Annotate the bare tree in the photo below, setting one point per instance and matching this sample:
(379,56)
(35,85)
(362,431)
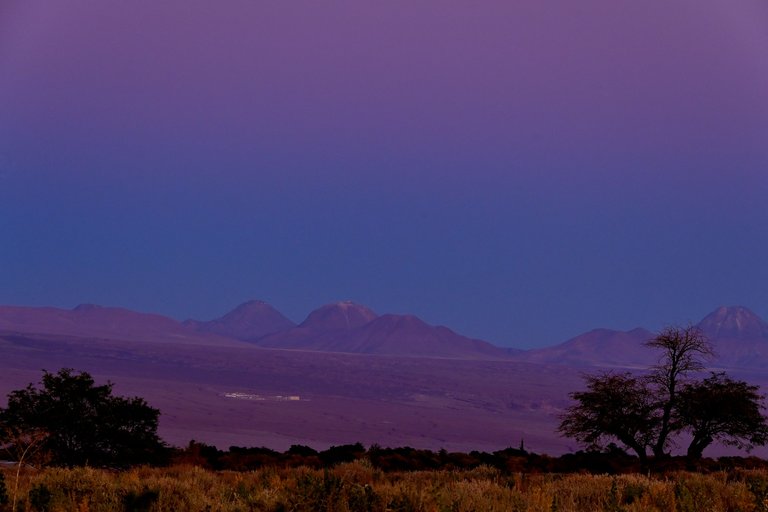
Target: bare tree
(684,350)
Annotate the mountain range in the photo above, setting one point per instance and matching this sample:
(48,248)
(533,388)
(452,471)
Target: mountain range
(740,337)
(99,322)
(350,327)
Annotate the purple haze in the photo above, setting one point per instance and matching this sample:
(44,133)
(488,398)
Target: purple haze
(520,171)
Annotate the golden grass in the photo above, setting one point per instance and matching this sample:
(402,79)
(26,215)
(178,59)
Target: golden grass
(358,486)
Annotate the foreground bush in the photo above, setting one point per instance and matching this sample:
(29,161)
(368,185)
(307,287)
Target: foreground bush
(358,486)
(68,420)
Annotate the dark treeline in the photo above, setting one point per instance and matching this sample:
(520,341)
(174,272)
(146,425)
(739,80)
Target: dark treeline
(511,460)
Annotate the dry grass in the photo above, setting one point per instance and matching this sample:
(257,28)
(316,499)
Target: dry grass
(357,486)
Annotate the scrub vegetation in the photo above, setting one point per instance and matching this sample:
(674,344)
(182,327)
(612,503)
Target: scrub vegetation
(359,486)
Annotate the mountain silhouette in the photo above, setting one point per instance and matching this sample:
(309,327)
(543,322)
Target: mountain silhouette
(93,321)
(734,323)
(252,319)
(602,347)
(738,335)
(739,338)
(340,316)
(352,328)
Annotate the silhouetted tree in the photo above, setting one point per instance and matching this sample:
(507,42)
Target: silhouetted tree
(616,406)
(646,411)
(682,352)
(76,422)
(724,409)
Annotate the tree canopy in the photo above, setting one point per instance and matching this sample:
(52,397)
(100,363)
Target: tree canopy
(615,406)
(723,409)
(75,422)
(645,411)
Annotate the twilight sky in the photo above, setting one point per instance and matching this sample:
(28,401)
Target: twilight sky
(519,171)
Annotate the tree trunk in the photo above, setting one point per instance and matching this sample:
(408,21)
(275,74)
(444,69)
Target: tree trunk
(666,418)
(641,453)
(697,446)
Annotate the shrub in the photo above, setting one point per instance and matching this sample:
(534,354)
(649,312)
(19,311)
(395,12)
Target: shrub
(3,491)
(40,498)
(357,486)
(140,501)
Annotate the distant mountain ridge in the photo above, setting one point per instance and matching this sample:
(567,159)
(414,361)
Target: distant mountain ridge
(249,320)
(352,328)
(339,327)
(93,321)
(597,347)
(340,316)
(734,322)
(738,335)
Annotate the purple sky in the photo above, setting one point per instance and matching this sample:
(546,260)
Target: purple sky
(519,171)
